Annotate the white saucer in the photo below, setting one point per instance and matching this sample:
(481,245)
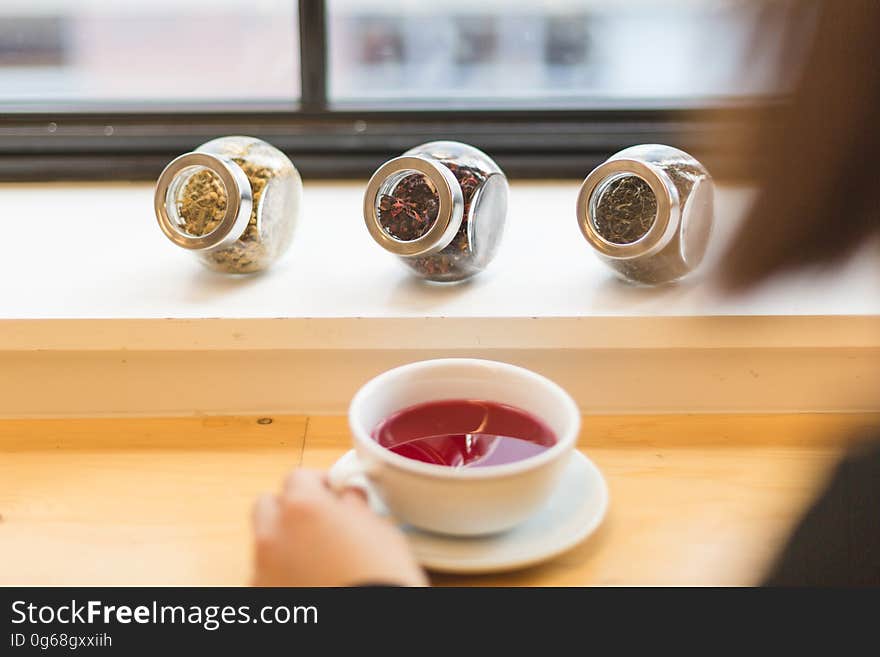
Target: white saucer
(573,512)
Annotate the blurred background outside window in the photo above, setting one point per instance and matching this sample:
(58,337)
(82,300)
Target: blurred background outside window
(571,53)
(534,81)
(492,52)
(92,52)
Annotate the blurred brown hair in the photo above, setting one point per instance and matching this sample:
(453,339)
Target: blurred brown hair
(817,158)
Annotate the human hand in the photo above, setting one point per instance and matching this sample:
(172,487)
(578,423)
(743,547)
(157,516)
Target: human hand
(307,535)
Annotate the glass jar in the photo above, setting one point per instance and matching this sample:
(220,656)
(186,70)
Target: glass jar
(647,212)
(440,207)
(234,201)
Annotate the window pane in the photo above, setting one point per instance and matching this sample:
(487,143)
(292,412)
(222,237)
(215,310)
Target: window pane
(148,51)
(580,50)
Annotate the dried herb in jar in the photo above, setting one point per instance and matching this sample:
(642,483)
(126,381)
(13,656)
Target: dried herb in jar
(684,177)
(233,201)
(247,254)
(618,208)
(412,210)
(458,256)
(440,207)
(202,205)
(625,210)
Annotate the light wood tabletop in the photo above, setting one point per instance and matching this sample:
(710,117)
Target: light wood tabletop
(695,499)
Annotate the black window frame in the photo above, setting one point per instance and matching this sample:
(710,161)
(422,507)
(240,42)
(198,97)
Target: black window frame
(349,142)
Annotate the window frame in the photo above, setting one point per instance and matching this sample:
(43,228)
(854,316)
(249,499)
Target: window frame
(345,141)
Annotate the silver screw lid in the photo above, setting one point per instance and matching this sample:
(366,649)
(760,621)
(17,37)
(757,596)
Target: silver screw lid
(239,201)
(665,222)
(449,215)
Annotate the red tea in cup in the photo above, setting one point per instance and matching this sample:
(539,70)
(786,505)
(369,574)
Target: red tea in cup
(464,433)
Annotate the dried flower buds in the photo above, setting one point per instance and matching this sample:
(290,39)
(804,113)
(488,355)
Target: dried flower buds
(441,207)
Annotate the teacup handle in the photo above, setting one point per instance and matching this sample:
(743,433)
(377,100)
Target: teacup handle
(349,474)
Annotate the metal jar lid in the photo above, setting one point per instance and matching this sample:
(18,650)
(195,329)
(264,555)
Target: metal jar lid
(665,223)
(239,201)
(449,215)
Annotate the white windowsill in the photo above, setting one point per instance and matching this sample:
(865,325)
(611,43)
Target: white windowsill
(87,270)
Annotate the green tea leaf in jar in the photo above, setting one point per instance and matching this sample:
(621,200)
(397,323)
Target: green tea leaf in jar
(202,203)
(625,209)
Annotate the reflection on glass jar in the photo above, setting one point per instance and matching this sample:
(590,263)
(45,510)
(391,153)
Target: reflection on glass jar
(647,212)
(440,207)
(234,201)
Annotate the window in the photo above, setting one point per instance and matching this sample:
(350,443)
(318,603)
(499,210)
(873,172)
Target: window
(141,53)
(508,53)
(99,88)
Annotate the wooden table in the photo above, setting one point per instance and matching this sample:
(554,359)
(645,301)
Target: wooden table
(699,499)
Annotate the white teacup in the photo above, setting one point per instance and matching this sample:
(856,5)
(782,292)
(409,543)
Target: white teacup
(460,501)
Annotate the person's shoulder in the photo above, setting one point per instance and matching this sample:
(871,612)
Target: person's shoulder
(837,542)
